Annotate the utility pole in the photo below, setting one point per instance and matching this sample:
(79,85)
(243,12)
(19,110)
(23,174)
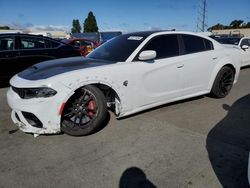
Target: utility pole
(202,16)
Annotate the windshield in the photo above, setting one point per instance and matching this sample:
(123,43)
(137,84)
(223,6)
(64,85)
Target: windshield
(65,40)
(119,48)
(234,41)
(109,35)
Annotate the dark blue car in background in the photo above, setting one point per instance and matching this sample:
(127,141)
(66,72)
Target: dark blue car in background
(19,51)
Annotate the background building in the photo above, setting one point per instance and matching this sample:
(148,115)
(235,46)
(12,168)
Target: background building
(52,34)
(10,31)
(239,32)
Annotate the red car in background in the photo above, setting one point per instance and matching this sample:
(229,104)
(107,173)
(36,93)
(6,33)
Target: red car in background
(85,45)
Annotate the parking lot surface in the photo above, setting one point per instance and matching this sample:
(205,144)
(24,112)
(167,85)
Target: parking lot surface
(202,142)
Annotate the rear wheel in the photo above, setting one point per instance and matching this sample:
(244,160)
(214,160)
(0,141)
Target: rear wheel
(223,82)
(85,112)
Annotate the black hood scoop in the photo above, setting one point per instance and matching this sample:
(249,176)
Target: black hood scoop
(51,68)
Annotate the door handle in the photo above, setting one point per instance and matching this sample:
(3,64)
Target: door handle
(214,58)
(180,66)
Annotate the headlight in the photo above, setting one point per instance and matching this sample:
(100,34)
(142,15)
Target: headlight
(29,93)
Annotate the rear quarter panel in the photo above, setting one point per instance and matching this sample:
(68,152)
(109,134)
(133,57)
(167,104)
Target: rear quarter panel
(227,56)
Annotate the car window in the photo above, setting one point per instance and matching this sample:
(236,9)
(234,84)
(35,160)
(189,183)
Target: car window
(195,44)
(51,44)
(32,43)
(208,44)
(86,43)
(245,42)
(165,46)
(119,48)
(6,43)
(75,43)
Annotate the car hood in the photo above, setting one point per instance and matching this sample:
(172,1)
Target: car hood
(51,68)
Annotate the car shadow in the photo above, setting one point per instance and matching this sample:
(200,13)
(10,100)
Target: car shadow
(228,145)
(134,177)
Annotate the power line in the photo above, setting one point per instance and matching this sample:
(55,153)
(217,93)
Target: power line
(202,16)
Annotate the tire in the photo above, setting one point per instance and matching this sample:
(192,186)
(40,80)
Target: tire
(84,112)
(223,83)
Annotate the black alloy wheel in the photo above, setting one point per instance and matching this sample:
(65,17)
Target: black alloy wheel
(226,82)
(84,112)
(223,82)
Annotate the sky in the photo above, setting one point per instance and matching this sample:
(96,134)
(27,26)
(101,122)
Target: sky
(114,15)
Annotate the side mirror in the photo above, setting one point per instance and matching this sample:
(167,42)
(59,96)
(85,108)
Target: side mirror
(245,47)
(147,55)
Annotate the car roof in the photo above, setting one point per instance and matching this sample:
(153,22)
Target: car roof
(27,35)
(142,33)
(162,32)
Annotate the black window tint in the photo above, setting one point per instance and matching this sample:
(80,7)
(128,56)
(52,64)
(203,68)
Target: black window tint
(6,43)
(208,44)
(193,44)
(75,43)
(32,43)
(51,44)
(245,42)
(86,43)
(117,49)
(165,46)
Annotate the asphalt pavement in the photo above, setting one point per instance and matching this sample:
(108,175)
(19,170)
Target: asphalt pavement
(201,142)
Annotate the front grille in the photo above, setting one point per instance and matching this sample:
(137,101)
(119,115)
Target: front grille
(19,91)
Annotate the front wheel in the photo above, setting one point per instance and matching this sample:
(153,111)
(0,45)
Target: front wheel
(85,112)
(223,82)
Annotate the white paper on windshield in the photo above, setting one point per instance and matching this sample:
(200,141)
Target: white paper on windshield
(135,38)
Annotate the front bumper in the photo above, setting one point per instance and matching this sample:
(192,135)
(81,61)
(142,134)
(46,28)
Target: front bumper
(38,115)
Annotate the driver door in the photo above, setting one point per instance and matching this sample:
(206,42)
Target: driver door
(158,80)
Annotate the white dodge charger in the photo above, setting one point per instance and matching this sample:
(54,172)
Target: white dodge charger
(130,73)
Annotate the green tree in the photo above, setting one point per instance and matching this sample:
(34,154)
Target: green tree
(236,24)
(247,25)
(90,24)
(76,27)
(5,27)
(216,27)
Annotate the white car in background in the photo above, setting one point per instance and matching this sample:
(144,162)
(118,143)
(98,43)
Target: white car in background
(128,74)
(241,42)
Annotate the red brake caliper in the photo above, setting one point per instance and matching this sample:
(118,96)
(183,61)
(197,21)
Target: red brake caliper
(91,108)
